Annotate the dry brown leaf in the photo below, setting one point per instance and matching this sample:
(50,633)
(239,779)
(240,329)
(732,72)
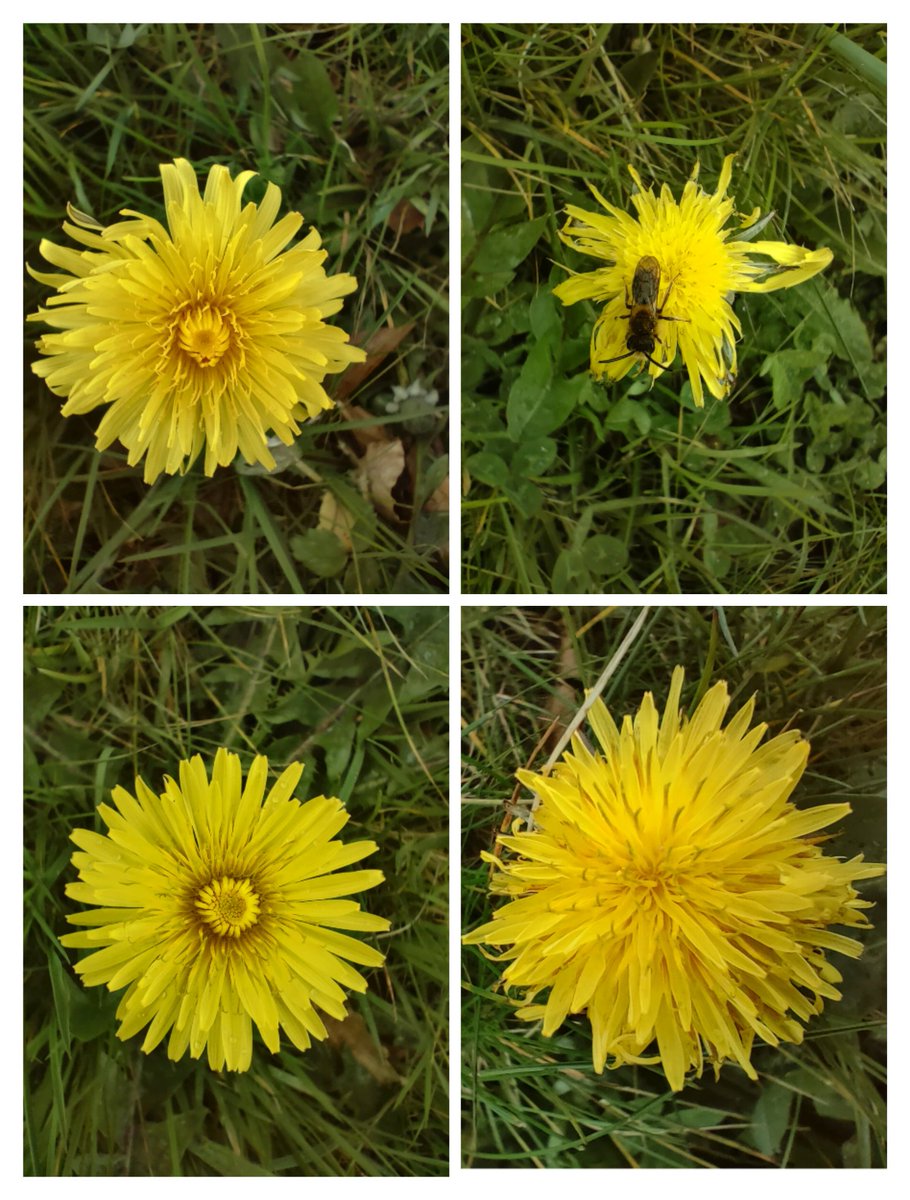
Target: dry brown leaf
(404,218)
(378,472)
(336,519)
(353,1033)
(562,704)
(365,435)
(380,345)
(439,501)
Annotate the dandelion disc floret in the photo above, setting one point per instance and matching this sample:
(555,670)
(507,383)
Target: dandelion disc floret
(702,262)
(210,333)
(220,909)
(670,890)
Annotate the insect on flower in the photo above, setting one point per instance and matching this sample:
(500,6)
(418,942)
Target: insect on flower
(645,311)
(708,259)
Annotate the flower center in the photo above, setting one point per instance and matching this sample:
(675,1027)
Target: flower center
(228,906)
(662,869)
(204,334)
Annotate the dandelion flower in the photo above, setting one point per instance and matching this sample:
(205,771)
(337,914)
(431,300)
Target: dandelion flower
(220,910)
(672,892)
(210,333)
(700,263)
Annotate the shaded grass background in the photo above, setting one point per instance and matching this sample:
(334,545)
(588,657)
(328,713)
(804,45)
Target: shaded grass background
(351,122)
(361,697)
(530,1100)
(780,487)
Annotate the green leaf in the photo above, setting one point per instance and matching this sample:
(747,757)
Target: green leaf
(606,556)
(628,413)
(130,35)
(870,475)
(533,457)
(224,1161)
(827,1101)
(544,315)
(320,551)
(434,474)
(770,1118)
(93,88)
(430,650)
(488,468)
(312,93)
(526,496)
(789,370)
(62,989)
(528,393)
(698,1117)
(92,1011)
(102,34)
(337,742)
(374,706)
(488,283)
(852,342)
(587,566)
(504,249)
(538,405)
(478,198)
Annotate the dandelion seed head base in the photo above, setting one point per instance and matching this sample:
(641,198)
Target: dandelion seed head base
(228,906)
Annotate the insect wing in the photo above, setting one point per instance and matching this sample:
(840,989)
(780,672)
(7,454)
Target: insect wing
(646,282)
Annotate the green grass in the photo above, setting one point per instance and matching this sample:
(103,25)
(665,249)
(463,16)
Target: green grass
(361,698)
(778,489)
(351,123)
(534,1101)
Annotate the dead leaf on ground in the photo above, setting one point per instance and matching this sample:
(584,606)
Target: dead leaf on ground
(405,217)
(336,519)
(439,501)
(353,1034)
(365,435)
(378,472)
(562,703)
(380,345)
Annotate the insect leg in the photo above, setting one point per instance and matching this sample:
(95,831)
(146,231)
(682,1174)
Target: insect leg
(661,307)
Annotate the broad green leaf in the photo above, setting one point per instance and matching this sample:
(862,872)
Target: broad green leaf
(504,249)
(313,94)
(488,468)
(533,457)
(537,403)
(770,1118)
(320,551)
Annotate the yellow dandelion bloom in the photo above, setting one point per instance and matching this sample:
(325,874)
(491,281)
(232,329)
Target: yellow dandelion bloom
(672,892)
(220,910)
(210,333)
(680,299)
